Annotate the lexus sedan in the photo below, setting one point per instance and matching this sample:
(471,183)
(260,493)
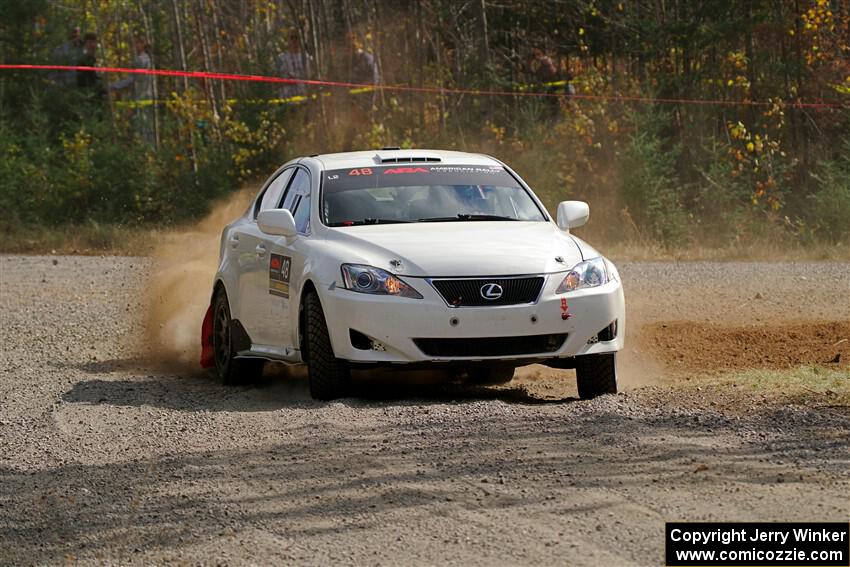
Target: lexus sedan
(410,258)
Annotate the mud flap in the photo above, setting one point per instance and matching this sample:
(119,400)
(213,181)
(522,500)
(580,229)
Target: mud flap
(207,352)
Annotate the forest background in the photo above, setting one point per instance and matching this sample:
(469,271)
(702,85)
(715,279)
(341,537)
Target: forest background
(739,137)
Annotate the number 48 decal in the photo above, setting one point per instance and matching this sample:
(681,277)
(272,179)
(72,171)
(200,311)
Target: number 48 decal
(361,171)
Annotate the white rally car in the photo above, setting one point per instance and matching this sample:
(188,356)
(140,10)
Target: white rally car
(410,257)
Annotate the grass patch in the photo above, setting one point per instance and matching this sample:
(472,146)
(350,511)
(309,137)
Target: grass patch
(89,239)
(804,383)
(767,251)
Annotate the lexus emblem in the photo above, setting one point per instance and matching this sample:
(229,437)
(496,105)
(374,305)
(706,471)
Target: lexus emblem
(491,291)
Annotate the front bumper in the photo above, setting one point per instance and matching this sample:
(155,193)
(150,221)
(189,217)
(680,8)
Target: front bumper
(392,323)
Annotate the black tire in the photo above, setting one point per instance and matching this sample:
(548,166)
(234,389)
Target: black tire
(231,371)
(330,377)
(490,374)
(596,375)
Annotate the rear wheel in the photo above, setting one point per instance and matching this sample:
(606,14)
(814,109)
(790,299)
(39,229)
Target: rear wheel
(596,375)
(330,377)
(491,374)
(231,370)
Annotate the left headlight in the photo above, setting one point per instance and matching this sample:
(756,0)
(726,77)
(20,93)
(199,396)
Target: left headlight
(368,279)
(591,273)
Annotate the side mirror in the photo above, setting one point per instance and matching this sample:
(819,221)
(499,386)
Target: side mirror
(278,222)
(572,214)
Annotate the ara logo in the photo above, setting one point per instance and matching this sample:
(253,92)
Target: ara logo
(396,170)
(491,291)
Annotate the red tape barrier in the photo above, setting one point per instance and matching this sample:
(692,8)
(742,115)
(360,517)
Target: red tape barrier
(820,105)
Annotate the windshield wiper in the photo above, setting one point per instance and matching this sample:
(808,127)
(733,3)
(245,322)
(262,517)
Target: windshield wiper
(467,217)
(383,221)
(369,220)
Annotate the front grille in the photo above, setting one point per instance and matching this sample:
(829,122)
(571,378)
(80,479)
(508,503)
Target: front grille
(492,346)
(467,293)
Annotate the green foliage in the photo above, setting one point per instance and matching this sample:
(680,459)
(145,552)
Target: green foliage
(725,173)
(21,24)
(650,186)
(830,203)
(84,169)
(722,207)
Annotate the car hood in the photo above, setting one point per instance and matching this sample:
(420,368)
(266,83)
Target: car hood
(440,249)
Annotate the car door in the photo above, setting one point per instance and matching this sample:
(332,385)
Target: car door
(286,262)
(254,261)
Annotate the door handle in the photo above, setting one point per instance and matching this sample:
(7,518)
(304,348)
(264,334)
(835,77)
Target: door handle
(261,250)
(234,241)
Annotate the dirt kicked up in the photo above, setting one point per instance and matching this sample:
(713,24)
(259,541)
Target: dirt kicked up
(114,452)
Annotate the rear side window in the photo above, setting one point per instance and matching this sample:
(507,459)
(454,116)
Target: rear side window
(297,200)
(302,214)
(271,197)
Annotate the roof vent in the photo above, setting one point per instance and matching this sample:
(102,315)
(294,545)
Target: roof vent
(408,159)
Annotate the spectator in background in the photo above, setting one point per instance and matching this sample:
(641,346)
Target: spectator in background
(141,87)
(569,87)
(364,71)
(293,64)
(364,68)
(543,70)
(89,81)
(69,53)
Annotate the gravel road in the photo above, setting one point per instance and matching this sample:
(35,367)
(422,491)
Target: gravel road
(108,456)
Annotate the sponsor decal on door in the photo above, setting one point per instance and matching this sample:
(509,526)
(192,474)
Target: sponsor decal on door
(279,267)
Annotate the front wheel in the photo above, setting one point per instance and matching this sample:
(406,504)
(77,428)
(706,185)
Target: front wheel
(596,375)
(329,376)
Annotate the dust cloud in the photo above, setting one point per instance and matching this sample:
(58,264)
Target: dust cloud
(636,364)
(179,288)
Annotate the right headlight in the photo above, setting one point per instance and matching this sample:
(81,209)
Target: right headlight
(590,273)
(368,279)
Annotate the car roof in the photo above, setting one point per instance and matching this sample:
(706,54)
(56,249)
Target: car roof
(397,156)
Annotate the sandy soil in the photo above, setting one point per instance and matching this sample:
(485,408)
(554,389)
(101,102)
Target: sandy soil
(111,456)
(710,346)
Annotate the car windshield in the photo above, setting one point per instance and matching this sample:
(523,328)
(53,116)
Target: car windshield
(424,193)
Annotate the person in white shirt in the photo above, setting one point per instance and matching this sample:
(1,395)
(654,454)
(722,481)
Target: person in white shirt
(293,64)
(361,106)
(69,53)
(142,90)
